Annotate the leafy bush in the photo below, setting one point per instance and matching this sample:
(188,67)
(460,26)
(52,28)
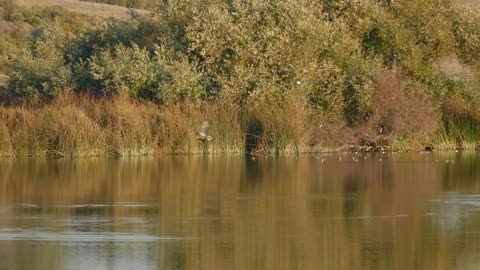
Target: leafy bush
(467,36)
(133,72)
(262,52)
(17,25)
(126,70)
(41,71)
(331,56)
(401,108)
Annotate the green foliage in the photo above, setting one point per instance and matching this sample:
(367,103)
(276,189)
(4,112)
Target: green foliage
(467,36)
(257,53)
(260,53)
(41,71)
(125,70)
(17,25)
(132,71)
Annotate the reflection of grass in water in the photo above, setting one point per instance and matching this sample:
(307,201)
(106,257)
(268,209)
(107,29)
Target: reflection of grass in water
(236,220)
(464,173)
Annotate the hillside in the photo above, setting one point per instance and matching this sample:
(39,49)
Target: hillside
(88,8)
(18,23)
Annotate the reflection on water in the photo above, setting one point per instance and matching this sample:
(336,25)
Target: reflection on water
(397,211)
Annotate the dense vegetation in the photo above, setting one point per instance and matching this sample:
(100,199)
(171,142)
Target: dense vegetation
(19,26)
(289,73)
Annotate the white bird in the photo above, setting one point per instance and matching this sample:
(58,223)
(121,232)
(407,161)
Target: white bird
(202,135)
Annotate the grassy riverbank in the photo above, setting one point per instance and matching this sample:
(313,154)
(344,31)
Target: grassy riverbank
(79,126)
(73,126)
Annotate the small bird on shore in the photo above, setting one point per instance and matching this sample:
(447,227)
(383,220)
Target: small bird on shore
(202,135)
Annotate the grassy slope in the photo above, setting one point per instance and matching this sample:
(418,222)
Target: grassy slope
(88,8)
(81,7)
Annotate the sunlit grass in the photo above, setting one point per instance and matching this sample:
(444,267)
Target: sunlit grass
(77,126)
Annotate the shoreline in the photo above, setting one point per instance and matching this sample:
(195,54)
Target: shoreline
(316,151)
(73,126)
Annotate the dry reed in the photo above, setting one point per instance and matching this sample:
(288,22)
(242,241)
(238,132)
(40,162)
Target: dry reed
(461,125)
(73,126)
(80,125)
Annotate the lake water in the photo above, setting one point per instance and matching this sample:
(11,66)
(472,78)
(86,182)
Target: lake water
(374,211)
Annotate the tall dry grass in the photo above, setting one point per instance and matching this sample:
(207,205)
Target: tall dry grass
(278,128)
(73,126)
(461,125)
(80,125)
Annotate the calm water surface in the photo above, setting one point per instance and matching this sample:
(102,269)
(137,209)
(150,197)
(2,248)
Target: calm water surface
(405,211)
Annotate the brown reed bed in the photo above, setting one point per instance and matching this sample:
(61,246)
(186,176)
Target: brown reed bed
(75,126)
(80,125)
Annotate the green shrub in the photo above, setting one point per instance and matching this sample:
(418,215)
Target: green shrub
(18,25)
(41,70)
(126,70)
(131,70)
(467,36)
(328,56)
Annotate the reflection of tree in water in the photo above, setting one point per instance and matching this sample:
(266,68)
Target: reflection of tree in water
(350,187)
(253,169)
(175,258)
(387,173)
(298,213)
(252,175)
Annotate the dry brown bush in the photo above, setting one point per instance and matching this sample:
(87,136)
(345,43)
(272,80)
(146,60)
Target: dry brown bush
(400,109)
(332,135)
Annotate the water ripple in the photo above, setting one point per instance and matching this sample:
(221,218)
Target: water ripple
(10,234)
